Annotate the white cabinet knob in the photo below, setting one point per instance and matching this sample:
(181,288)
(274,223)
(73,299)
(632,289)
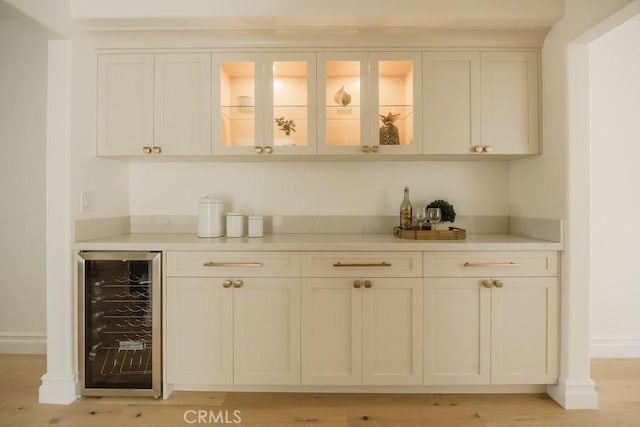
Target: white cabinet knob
(237,283)
(268,149)
(227,283)
(498,283)
(477,148)
(259,150)
(366,148)
(486,283)
(487,149)
(146,150)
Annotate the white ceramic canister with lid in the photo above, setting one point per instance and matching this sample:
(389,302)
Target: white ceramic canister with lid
(256,228)
(235,224)
(210,217)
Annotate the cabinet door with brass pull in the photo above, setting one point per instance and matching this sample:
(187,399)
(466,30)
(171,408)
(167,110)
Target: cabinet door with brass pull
(199,330)
(491,331)
(352,328)
(266,323)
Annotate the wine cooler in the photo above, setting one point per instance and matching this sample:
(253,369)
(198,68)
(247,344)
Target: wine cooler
(119,323)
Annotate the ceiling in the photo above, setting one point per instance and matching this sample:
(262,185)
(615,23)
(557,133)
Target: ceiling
(290,15)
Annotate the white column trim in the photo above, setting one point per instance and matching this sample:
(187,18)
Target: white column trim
(575,389)
(59,383)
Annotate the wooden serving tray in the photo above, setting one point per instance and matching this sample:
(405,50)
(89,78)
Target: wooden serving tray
(453,233)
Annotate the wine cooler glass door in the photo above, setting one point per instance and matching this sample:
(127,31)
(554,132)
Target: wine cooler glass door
(119,331)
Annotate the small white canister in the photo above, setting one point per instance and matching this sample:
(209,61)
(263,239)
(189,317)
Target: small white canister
(210,217)
(256,228)
(235,224)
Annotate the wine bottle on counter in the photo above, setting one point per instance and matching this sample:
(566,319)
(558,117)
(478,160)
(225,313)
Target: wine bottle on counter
(406,211)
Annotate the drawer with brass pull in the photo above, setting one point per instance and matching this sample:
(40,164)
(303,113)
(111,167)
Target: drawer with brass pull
(361,264)
(232,264)
(488,264)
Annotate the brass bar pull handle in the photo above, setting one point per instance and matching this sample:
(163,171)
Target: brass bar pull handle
(232,264)
(380,264)
(491,264)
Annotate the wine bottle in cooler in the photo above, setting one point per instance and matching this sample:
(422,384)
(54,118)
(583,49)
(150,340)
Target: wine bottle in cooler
(406,211)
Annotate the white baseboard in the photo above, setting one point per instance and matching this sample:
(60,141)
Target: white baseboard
(58,389)
(574,394)
(614,348)
(23,343)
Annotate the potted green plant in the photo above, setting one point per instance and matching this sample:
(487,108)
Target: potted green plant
(446,208)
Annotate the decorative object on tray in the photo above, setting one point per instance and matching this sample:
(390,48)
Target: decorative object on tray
(421,217)
(453,233)
(388,134)
(434,215)
(342,97)
(286,126)
(406,211)
(446,208)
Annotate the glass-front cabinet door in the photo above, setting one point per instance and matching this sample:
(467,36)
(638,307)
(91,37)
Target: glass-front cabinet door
(343,79)
(263,103)
(369,103)
(290,103)
(236,119)
(396,90)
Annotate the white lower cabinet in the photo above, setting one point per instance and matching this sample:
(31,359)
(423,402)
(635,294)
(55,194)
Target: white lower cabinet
(266,325)
(457,332)
(361,331)
(246,333)
(199,331)
(491,330)
(232,327)
(361,318)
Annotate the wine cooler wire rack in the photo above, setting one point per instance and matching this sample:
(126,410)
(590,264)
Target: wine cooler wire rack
(128,351)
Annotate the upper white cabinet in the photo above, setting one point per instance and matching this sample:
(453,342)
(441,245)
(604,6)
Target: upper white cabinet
(151,104)
(481,103)
(509,82)
(264,103)
(183,104)
(451,102)
(369,103)
(125,104)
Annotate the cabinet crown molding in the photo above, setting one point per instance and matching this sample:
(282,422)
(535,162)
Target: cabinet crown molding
(330,38)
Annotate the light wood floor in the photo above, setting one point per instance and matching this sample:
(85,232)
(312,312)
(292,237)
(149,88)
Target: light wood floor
(618,385)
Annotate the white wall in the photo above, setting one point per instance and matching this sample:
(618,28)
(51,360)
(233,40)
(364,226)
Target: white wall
(537,186)
(318,188)
(552,185)
(23,85)
(614,89)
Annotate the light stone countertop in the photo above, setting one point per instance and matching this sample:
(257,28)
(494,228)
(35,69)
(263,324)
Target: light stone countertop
(314,242)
